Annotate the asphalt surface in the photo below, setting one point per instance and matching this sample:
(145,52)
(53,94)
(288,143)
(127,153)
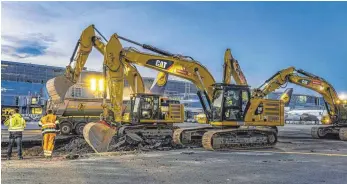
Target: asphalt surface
(296,159)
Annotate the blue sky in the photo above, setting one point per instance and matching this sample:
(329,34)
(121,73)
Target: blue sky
(264,36)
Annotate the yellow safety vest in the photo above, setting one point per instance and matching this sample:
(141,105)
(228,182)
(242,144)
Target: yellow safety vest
(15,123)
(48,123)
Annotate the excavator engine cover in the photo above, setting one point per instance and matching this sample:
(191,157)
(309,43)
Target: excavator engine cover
(98,135)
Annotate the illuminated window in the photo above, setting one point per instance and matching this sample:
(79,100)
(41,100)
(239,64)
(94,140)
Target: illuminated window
(36,110)
(33,100)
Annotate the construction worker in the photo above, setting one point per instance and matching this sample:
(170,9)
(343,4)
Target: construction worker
(48,126)
(16,125)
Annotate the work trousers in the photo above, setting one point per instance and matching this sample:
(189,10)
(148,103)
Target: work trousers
(48,143)
(15,137)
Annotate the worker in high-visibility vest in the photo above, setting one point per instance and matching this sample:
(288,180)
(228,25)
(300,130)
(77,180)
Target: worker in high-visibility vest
(16,125)
(48,124)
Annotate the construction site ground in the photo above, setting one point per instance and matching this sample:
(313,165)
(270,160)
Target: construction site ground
(297,158)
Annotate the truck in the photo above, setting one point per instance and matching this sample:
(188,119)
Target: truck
(74,113)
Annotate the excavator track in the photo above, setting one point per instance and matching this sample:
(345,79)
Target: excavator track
(147,131)
(322,132)
(241,138)
(189,136)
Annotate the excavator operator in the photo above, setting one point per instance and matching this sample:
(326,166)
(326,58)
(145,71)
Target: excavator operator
(231,101)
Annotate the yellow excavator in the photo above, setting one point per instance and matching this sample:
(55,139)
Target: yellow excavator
(232,69)
(57,87)
(336,108)
(144,108)
(227,106)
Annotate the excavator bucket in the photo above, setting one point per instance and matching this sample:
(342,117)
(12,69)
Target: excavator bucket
(98,136)
(57,88)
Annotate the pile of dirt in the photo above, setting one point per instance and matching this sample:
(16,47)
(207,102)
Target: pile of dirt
(76,146)
(131,142)
(128,142)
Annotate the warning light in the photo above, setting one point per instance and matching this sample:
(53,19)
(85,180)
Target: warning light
(93,84)
(101,84)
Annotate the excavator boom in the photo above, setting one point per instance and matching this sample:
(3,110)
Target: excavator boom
(336,108)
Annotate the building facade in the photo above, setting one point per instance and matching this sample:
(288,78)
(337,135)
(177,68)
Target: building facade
(23,88)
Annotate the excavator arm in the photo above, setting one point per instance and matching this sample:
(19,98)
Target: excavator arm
(337,109)
(232,68)
(176,65)
(57,87)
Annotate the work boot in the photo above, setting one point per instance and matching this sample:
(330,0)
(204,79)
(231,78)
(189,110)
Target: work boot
(20,158)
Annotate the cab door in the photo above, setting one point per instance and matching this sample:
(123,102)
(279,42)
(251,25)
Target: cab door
(235,103)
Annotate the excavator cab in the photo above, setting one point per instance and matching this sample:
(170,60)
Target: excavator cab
(229,102)
(144,106)
(149,108)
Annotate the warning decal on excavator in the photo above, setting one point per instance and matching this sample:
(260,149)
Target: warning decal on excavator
(164,64)
(81,106)
(317,82)
(183,71)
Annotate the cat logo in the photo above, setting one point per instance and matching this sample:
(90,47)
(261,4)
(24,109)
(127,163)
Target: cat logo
(161,64)
(164,64)
(304,81)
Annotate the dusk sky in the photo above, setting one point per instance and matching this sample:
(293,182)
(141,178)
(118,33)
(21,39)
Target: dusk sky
(265,37)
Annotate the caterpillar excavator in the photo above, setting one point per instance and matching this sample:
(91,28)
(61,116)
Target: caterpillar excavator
(227,106)
(336,117)
(145,107)
(232,69)
(57,87)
